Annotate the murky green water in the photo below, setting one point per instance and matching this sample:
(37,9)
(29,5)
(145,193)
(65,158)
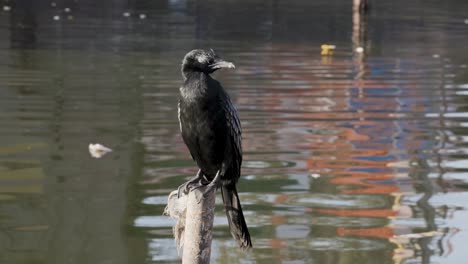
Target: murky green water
(345,154)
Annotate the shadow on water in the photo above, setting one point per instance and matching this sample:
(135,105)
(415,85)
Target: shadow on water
(349,157)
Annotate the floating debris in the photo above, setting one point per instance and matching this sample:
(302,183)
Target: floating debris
(417,235)
(97,150)
(126,14)
(70,17)
(466,21)
(53,4)
(142,16)
(359,49)
(327,49)
(436,56)
(315,175)
(56,18)
(67,10)
(6,8)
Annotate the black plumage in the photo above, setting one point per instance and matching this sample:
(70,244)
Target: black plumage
(211,129)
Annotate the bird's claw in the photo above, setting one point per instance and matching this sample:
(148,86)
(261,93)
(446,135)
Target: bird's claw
(191,185)
(197,182)
(208,189)
(179,190)
(186,188)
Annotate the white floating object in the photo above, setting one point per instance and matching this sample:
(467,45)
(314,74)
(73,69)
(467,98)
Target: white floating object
(142,16)
(56,18)
(67,10)
(126,14)
(359,49)
(315,175)
(466,21)
(435,56)
(418,235)
(53,4)
(6,8)
(97,150)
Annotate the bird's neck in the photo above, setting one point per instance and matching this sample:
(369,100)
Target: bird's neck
(195,85)
(190,74)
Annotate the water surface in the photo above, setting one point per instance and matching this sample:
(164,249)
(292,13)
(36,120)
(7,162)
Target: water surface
(344,154)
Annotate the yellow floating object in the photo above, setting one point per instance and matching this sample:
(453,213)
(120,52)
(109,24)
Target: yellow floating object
(327,49)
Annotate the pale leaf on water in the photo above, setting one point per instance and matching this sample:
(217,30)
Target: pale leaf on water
(97,150)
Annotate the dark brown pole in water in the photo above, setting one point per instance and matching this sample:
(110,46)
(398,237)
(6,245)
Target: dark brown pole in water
(359,38)
(360,6)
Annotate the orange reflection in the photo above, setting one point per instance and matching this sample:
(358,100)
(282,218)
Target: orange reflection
(349,127)
(358,212)
(377,232)
(361,180)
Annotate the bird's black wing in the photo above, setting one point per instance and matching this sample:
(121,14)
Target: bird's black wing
(232,205)
(234,137)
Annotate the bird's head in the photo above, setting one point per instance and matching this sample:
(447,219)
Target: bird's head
(203,61)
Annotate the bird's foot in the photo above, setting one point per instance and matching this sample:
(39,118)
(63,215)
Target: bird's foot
(200,181)
(209,188)
(192,184)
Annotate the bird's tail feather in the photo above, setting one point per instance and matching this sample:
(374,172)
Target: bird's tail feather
(237,224)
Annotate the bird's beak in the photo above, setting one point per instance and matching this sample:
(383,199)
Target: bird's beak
(222,64)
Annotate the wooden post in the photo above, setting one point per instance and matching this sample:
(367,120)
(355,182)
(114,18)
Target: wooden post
(194,228)
(199,227)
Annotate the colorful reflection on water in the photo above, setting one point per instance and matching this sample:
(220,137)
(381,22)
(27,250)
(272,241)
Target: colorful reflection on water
(350,157)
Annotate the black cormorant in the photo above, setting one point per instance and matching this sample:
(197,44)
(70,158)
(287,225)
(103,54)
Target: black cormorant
(211,130)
